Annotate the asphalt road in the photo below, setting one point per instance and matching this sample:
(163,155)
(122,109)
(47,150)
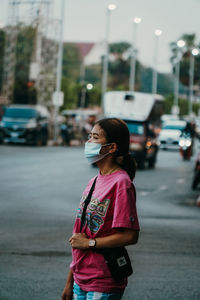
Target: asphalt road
(40,190)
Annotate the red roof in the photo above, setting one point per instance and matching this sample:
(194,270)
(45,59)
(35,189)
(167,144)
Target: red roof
(84,48)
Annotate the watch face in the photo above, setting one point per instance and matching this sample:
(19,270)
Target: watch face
(92,243)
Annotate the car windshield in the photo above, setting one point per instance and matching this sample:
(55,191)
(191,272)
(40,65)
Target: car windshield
(174,127)
(23,113)
(135,128)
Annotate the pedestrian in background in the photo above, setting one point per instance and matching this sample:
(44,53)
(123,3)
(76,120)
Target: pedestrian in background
(111,218)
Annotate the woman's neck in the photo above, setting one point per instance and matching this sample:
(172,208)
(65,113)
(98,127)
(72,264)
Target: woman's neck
(107,167)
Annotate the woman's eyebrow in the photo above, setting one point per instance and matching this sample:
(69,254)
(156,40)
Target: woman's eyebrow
(94,133)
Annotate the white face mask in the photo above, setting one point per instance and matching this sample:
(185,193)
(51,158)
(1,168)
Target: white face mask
(92,152)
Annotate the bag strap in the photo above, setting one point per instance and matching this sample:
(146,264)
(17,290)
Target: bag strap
(86,202)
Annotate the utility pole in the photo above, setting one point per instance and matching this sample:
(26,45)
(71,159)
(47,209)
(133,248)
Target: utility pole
(58,94)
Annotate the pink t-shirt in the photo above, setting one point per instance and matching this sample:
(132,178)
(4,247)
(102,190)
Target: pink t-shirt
(112,206)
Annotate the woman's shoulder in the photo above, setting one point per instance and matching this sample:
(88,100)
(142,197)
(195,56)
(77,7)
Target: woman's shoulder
(123,180)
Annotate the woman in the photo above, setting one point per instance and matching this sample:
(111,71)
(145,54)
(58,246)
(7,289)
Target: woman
(111,217)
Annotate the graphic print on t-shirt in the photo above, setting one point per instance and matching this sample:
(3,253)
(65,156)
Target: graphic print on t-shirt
(95,213)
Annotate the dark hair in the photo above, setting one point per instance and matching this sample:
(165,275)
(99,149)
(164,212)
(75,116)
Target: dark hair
(116,131)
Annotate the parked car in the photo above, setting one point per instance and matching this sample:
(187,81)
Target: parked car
(168,117)
(170,134)
(25,124)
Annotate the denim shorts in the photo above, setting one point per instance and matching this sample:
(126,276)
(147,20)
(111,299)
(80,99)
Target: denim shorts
(79,294)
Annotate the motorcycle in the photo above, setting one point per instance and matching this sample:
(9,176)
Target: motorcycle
(185,146)
(196,177)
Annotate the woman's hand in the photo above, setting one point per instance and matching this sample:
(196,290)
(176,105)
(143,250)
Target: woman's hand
(67,292)
(79,241)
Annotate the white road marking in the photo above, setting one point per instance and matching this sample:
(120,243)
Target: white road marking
(163,188)
(180,180)
(144,194)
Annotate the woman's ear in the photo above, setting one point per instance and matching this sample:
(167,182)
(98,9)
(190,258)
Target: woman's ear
(113,148)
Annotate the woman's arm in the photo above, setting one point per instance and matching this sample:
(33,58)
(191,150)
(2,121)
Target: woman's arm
(68,289)
(123,237)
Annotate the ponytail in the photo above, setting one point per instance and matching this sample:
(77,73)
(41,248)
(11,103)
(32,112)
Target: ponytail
(128,164)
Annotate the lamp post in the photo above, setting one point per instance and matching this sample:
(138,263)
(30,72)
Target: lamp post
(136,21)
(110,8)
(193,53)
(180,44)
(157,34)
(86,87)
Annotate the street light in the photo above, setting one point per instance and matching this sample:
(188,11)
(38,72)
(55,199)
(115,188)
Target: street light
(193,53)
(157,34)
(86,87)
(180,44)
(89,86)
(136,21)
(110,8)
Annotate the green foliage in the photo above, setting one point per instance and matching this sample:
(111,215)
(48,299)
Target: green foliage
(71,62)
(119,74)
(183,105)
(168,103)
(93,74)
(164,82)
(119,48)
(24,51)
(94,96)
(190,41)
(71,91)
(196,108)
(2,43)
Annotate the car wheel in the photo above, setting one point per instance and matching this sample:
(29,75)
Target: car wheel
(152,162)
(44,139)
(140,164)
(38,141)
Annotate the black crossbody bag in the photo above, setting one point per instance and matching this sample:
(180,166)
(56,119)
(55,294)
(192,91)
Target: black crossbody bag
(117,259)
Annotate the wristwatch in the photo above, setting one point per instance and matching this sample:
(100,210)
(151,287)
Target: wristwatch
(92,243)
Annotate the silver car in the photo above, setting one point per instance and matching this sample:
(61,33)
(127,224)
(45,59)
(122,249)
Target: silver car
(170,134)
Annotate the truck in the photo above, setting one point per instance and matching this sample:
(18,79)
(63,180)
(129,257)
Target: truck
(142,114)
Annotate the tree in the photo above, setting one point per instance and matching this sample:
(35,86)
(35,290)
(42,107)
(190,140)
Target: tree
(23,92)
(2,44)
(183,105)
(190,42)
(119,48)
(71,62)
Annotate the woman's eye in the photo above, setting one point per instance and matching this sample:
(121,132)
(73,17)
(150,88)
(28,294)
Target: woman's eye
(90,136)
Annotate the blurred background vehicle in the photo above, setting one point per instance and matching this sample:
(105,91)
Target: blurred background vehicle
(143,143)
(196,176)
(169,136)
(80,122)
(168,117)
(185,145)
(25,124)
(141,112)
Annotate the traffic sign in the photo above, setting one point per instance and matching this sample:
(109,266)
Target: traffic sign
(58,98)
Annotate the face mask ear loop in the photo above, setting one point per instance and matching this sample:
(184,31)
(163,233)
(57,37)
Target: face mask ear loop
(108,145)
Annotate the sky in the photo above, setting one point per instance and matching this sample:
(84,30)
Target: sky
(85,21)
